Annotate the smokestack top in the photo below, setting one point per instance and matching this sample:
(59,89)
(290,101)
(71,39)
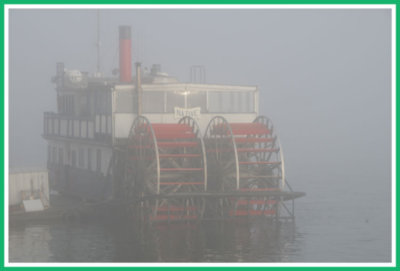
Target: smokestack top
(125,61)
(124,32)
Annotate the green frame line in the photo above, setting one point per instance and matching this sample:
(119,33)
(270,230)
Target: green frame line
(196,2)
(2,139)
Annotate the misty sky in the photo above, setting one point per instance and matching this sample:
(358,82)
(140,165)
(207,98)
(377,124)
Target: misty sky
(324,75)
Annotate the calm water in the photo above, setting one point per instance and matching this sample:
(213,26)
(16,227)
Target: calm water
(90,242)
(334,223)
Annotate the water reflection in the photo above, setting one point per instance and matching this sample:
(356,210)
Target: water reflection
(30,244)
(212,241)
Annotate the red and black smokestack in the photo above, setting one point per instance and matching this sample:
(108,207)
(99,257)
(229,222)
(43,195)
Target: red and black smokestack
(125,62)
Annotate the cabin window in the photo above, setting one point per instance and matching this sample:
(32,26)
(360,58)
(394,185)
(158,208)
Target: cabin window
(89,159)
(73,158)
(71,105)
(197,99)
(240,102)
(103,102)
(81,160)
(66,104)
(98,160)
(175,100)
(84,108)
(60,156)
(54,155)
(153,102)
(231,102)
(219,102)
(250,102)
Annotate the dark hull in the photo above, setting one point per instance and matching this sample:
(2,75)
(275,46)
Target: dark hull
(80,183)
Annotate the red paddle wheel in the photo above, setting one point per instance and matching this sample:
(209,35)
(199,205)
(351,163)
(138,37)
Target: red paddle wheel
(244,157)
(166,159)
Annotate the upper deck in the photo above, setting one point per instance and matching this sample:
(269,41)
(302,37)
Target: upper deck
(95,107)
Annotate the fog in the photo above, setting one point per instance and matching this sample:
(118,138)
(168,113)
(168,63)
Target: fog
(323,75)
(324,78)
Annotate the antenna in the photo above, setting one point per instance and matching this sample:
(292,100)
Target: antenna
(98,42)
